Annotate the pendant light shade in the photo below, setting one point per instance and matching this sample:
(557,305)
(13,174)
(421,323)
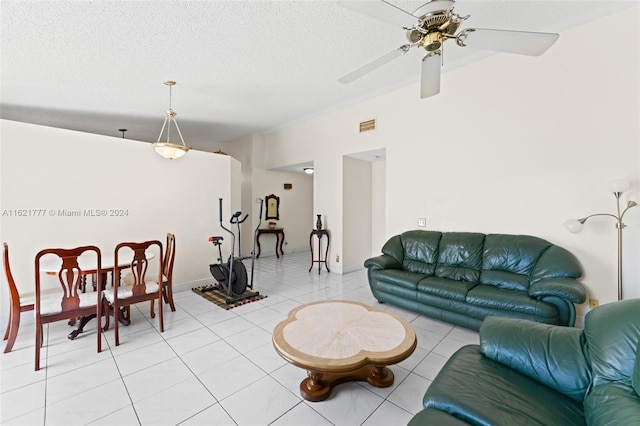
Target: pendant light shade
(167,149)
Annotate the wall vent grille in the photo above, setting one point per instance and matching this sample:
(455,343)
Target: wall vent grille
(368,125)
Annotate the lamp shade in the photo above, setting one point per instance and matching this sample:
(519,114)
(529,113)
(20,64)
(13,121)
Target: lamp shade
(170,150)
(573,225)
(633,198)
(619,185)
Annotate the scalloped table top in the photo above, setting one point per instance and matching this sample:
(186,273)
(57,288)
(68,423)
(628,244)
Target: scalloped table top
(342,335)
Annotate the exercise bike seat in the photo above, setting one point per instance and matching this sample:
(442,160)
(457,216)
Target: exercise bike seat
(216,240)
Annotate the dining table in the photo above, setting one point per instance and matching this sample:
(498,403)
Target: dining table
(88,266)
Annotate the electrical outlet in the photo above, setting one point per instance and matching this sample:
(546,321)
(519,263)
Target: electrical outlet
(422,222)
(593,303)
(337,259)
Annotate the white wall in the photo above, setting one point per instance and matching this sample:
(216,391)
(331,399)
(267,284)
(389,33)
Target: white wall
(56,169)
(296,204)
(357,213)
(512,144)
(378,206)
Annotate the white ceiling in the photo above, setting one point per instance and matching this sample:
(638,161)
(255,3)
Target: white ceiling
(241,66)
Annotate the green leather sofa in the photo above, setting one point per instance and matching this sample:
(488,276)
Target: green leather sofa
(463,277)
(529,373)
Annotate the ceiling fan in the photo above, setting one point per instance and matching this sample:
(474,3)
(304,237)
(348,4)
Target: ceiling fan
(433,23)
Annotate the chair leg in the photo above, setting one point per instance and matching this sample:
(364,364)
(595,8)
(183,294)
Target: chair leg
(99,325)
(152,310)
(38,344)
(6,333)
(168,296)
(161,317)
(116,320)
(107,314)
(12,330)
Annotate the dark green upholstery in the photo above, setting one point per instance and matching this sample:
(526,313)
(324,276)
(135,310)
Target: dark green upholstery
(530,373)
(463,277)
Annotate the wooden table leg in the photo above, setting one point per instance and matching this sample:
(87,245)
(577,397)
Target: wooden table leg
(318,386)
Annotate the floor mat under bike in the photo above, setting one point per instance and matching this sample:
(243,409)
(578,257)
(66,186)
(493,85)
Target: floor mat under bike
(216,294)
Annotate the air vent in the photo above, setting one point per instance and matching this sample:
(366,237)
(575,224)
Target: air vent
(365,126)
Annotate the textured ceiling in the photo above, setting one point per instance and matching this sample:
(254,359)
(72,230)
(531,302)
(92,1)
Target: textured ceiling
(241,66)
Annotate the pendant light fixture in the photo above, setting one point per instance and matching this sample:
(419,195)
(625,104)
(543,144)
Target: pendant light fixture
(167,149)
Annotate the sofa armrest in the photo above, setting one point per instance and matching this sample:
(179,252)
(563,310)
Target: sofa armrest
(564,288)
(552,355)
(382,262)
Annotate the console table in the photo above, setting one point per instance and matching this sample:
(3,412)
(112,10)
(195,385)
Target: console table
(278,232)
(319,233)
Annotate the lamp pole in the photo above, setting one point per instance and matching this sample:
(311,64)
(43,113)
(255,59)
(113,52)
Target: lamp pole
(575,225)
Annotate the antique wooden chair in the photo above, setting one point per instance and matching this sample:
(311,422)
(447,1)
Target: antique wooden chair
(167,273)
(18,303)
(69,302)
(136,288)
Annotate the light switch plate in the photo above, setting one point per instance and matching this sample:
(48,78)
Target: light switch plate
(422,222)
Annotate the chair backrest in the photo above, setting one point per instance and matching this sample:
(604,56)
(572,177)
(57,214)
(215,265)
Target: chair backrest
(139,265)
(70,278)
(169,256)
(13,290)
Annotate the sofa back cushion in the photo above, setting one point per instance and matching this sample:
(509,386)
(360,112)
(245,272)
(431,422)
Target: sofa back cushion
(508,260)
(420,251)
(460,256)
(612,334)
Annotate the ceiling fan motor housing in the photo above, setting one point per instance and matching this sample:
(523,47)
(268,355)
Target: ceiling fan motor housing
(432,41)
(431,29)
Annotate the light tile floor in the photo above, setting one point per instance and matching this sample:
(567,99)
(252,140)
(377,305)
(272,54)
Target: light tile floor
(212,366)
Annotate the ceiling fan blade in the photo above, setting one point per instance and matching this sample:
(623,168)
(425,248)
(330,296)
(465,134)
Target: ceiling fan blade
(430,75)
(374,64)
(519,42)
(382,11)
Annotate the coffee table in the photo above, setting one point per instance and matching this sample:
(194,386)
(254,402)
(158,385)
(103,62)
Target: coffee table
(338,341)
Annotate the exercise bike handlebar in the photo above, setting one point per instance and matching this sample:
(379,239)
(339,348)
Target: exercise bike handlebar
(221,225)
(236,215)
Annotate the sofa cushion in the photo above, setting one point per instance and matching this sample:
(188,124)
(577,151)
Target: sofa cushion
(481,391)
(398,277)
(612,403)
(460,256)
(612,332)
(492,297)
(420,251)
(508,260)
(444,287)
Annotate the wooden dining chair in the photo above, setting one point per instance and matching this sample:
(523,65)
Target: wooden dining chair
(18,303)
(167,273)
(136,289)
(69,302)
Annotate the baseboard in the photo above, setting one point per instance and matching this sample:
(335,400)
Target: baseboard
(191,284)
(352,269)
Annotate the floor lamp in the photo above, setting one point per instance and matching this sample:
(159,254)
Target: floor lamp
(618,187)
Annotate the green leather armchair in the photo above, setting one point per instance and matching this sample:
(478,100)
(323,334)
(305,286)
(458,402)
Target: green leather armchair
(528,373)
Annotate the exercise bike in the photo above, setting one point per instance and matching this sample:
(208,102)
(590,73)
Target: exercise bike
(232,275)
